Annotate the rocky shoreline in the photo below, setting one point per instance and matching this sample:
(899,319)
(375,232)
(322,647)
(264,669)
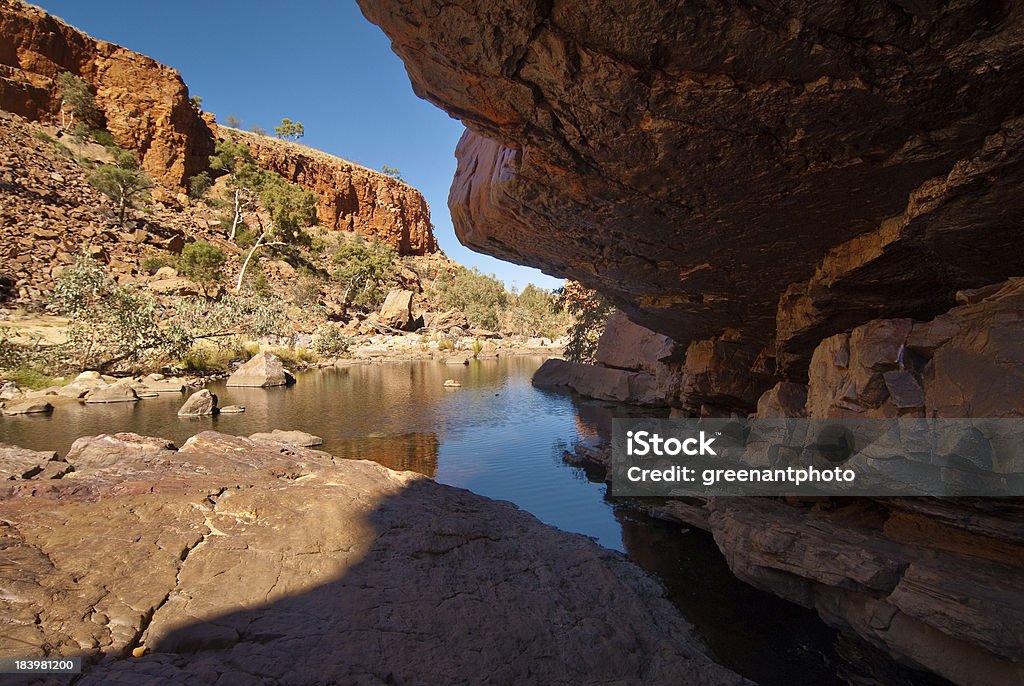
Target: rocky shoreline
(271,561)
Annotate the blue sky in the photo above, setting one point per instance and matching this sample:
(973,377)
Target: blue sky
(321,63)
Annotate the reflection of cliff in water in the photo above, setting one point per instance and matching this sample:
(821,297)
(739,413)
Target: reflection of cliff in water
(409,452)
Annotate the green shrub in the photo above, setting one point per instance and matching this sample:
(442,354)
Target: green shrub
(202,262)
(332,343)
(44,137)
(26,376)
(365,271)
(480,297)
(152,264)
(199,185)
(590,313)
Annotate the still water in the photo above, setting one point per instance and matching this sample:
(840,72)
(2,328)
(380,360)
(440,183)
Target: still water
(499,437)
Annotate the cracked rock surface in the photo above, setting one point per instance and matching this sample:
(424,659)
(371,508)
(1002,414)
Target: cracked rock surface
(233,560)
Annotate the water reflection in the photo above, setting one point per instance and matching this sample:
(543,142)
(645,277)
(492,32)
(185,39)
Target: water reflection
(410,452)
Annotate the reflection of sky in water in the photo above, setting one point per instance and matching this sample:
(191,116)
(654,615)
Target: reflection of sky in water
(496,435)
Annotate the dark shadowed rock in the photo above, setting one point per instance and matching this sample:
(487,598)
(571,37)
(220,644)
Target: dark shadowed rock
(257,562)
(264,370)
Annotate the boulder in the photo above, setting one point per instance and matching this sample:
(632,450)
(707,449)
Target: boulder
(452,383)
(232,409)
(262,371)
(112,393)
(457,359)
(199,404)
(21,463)
(296,438)
(396,311)
(27,406)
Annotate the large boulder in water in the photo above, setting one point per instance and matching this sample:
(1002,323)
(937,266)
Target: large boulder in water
(262,371)
(199,404)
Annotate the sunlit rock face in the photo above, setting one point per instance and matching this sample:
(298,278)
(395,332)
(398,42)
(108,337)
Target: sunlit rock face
(699,162)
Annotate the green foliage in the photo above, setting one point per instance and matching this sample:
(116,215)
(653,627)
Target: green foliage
(122,182)
(291,207)
(535,312)
(228,154)
(114,325)
(75,95)
(197,101)
(28,376)
(152,264)
(365,271)
(202,262)
(477,346)
(44,137)
(289,129)
(480,297)
(258,130)
(233,121)
(590,313)
(103,137)
(199,185)
(392,172)
(332,343)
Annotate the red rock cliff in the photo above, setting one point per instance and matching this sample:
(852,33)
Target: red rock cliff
(351,197)
(144,103)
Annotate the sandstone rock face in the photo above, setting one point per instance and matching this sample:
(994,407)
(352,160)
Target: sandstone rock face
(396,311)
(200,404)
(697,167)
(264,370)
(603,383)
(144,104)
(253,548)
(351,197)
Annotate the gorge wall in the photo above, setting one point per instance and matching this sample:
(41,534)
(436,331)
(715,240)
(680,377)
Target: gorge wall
(146,107)
(816,206)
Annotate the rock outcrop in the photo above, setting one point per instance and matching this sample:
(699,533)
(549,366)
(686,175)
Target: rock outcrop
(144,104)
(251,549)
(634,365)
(794,193)
(697,167)
(350,197)
(202,403)
(264,370)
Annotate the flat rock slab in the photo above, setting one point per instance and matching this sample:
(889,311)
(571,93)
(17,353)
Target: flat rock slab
(233,560)
(296,438)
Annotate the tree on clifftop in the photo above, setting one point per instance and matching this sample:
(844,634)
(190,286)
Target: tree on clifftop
(289,129)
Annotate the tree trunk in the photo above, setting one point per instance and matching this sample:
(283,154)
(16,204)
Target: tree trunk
(238,216)
(245,264)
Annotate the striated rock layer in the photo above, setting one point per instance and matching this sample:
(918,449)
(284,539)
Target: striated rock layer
(269,563)
(797,194)
(143,103)
(698,163)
